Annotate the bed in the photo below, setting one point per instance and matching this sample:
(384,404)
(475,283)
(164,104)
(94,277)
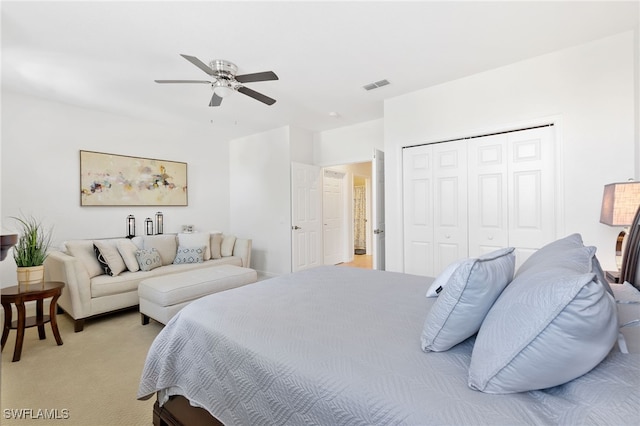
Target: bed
(341,346)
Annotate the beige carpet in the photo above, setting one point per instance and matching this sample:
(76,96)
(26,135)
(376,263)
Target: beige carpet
(92,378)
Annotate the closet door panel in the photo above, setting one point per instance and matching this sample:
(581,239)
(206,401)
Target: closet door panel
(531,190)
(450,203)
(488,227)
(418,210)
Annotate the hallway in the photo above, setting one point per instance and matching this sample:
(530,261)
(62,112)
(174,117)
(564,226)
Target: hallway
(360,261)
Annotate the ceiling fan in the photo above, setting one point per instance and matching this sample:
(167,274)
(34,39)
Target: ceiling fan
(225,81)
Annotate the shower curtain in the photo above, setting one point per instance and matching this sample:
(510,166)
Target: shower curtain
(359,220)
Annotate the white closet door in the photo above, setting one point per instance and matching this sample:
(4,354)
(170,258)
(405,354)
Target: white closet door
(531,190)
(450,203)
(488,206)
(418,210)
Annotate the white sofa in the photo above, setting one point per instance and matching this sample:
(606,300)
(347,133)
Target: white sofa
(90,291)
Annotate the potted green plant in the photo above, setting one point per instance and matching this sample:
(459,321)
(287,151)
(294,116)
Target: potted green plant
(31,250)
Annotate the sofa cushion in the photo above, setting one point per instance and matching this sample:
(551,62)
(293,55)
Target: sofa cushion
(226,248)
(196,239)
(190,255)
(83,251)
(216,243)
(127,250)
(109,257)
(148,259)
(166,246)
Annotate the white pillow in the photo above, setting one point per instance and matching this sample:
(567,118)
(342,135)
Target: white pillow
(166,246)
(83,251)
(109,258)
(544,330)
(127,250)
(467,297)
(441,280)
(226,248)
(215,242)
(196,239)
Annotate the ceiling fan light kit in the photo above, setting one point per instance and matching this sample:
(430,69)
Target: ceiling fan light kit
(225,81)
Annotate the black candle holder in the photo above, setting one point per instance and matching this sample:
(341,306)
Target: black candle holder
(131,226)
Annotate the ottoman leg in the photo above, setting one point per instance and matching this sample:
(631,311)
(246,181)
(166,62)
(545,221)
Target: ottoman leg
(144,319)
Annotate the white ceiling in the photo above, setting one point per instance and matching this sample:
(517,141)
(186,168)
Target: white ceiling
(106,55)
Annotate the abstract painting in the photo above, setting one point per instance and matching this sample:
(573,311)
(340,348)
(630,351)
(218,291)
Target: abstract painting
(120,180)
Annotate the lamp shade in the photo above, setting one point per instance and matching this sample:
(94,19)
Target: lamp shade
(620,202)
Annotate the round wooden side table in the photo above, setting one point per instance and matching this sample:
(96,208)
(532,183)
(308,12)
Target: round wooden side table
(20,294)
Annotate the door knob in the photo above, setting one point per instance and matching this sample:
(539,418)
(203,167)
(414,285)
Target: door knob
(295,227)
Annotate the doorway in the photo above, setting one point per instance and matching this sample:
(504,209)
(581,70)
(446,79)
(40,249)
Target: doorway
(347,211)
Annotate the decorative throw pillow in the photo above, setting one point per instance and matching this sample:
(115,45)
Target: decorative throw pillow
(551,252)
(216,243)
(441,280)
(83,251)
(544,330)
(196,239)
(109,258)
(226,248)
(166,245)
(558,253)
(127,250)
(148,259)
(467,297)
(189,255)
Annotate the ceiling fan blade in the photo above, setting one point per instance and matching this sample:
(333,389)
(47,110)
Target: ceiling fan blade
(258,76)
(182,81)
(215,100)
(255,95)
(198,63)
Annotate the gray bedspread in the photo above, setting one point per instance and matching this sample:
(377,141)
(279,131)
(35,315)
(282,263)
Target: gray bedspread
(341,346)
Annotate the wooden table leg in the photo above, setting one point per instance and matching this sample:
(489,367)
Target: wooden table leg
(40,319)
(20,331)
(54,321)
(7,322)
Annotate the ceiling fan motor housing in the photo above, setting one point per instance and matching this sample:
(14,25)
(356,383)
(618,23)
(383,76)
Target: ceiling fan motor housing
(223,69)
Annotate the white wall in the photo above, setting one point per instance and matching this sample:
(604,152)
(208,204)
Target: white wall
(588,90)
(260,187)
(40,173)
(348,144)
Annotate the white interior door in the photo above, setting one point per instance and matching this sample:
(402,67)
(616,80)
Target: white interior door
(450,226)
(531,190)
(488,199)
(306,216)
(417,166)
(332,212)
(377,176)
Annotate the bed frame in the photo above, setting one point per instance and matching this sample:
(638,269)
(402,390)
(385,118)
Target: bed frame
(179,412)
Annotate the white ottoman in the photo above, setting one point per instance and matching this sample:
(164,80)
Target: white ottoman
(162,297)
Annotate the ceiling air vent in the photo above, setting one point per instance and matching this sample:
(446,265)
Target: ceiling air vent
(375,85)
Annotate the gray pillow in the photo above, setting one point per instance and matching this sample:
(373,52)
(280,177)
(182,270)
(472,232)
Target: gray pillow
(557,253)
(465,300)
(148,259)
(547,328)
(190,255)
(553,251)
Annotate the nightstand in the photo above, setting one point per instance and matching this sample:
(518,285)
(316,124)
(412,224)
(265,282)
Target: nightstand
(612,276)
